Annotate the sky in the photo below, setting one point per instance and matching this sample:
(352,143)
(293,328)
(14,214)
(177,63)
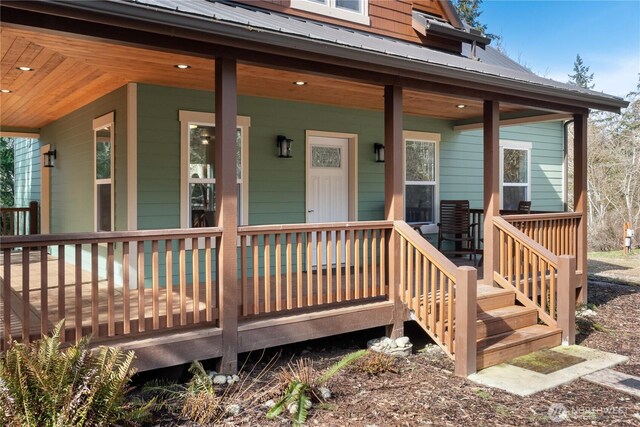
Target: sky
(546,35)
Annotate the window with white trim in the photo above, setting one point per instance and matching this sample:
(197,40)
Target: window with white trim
(421,178)
(198,169)
(103,162)
(515,173)
(349,10)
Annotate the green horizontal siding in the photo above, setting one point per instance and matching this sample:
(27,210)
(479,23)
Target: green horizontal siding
(26,168)
(277,186)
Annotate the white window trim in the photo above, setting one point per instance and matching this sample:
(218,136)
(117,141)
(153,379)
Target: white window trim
(427,137)
(99,123)
(331,10)
(515,145)
(208,119)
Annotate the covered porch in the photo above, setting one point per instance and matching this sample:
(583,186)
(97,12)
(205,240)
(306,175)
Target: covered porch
(241,286)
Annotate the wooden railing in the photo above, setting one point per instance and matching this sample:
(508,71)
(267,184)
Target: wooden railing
(107,284)
(557,231)
(286,267)
(540,279)
(476,216)
(441,297)
(19,221)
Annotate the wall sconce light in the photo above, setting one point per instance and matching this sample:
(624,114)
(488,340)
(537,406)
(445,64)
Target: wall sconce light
(284,146)
(206,139)
(49,159)
(378,149)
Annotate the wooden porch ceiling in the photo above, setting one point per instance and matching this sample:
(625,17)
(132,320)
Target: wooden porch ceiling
(70,72)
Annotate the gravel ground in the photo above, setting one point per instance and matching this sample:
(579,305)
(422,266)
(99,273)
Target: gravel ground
(423,390)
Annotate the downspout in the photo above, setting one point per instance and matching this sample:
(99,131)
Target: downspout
(565,165)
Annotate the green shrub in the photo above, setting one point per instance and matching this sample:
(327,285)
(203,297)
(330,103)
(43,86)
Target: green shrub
(44,385)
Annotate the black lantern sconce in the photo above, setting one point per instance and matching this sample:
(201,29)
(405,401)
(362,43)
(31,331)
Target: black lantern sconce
(49,159)
(284,146)
(378,149)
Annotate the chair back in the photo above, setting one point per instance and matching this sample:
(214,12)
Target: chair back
(454,216)
(524,207)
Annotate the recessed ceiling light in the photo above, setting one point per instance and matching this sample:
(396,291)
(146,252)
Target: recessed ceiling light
(299,83)
(23,68)
(461,106)
(182,66)
(5,91)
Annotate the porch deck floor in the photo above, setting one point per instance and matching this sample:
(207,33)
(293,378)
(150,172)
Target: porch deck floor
(330,297)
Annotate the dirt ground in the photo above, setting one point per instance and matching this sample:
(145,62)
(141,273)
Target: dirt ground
(424,391)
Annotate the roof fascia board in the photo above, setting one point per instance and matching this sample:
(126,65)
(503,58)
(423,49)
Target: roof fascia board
(134,18)
(451,33)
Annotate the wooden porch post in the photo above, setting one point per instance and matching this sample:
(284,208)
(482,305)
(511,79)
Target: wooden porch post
(226,211)
(567,298)
(491,186)
(393,197)
(466,315)
(580,198)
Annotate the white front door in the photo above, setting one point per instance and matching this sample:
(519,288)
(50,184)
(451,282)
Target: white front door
(327,184)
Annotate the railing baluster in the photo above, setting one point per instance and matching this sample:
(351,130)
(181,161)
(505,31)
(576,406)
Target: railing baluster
(451,311)
(111,321)
(207,277)
(442,313)
(425,292)
(409,288)
(168,281)
(78,293)
(267,273)
(319,269)
(95,292)
(61,291)
(329,261)
(256,274)
(183,281)
(374,263)
(6,293)
(289,272)
(416,278)
(244,266)
(309,269)
(44,291)
(155,286)
(141,289)
(347,263)
(299,300)
(383,263)
(278,265)
(126,290)
(356,267)
(339,243)
(195,278)
(365,263)
(433,297)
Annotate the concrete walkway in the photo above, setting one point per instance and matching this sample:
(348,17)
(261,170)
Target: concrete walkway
(541,370)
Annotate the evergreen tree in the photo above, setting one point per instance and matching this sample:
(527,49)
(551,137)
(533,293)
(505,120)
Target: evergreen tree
(581,76)
(469,11)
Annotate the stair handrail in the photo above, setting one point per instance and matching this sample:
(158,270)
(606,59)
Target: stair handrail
(458,339)
(562,281)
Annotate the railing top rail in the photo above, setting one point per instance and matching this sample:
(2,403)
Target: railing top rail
(543,216)
(534,246)
(106,237)
(3,210)
(305,227)
(443,263)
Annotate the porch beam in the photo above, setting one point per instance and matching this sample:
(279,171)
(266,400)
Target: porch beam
(226,212)
(491,150)
(580,198)
(393,197)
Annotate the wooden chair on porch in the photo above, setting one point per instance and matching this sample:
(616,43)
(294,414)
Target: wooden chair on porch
(455,227)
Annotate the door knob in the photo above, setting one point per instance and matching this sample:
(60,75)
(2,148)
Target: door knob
(310,210)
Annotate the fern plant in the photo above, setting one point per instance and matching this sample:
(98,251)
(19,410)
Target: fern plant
(44,385)
(301,383)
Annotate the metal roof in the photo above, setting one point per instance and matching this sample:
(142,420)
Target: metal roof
(212,14)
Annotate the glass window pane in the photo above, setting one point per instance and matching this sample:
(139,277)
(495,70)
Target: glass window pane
(353,5)
(515,166)
(103,153)
(201,152)
(512,196)
(419,203)
(202,204)
(421,160)
(325,157)
(104,207)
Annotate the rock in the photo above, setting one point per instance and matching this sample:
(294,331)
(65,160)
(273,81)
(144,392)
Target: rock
(292,407)
(586,313)
(402,341)
(233,409)
(220,379)
(325,393)
(212,374)
(235,378)
(269,403)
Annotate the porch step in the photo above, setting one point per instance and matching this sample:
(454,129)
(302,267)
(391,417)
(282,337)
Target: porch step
(499,348)
(504,319)
(490,298)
